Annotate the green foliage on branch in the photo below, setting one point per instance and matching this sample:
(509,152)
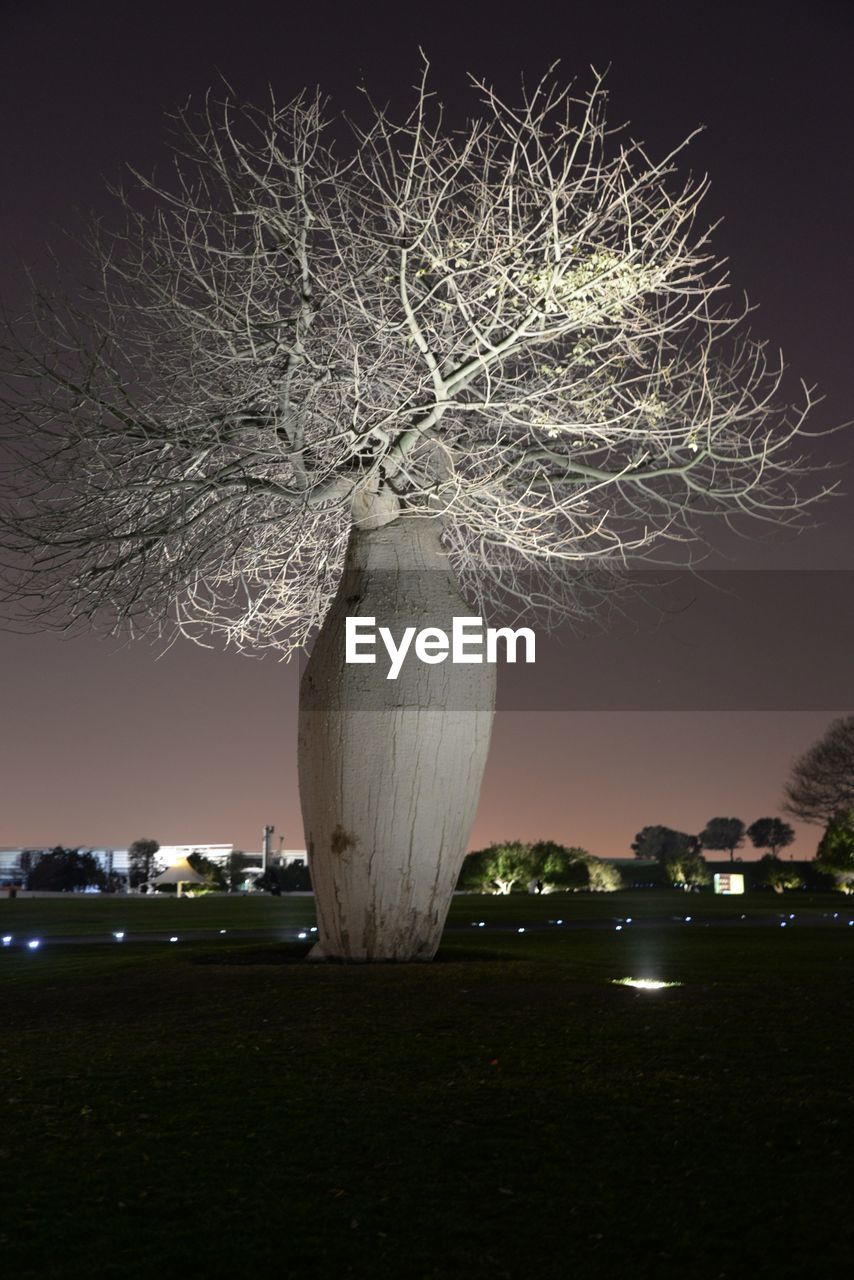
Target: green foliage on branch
(513,867)
(688,870)
(835,853)
(776,874)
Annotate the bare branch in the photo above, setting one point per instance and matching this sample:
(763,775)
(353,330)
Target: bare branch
(517,326)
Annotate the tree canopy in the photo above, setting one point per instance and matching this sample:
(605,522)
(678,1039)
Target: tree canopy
(142,861)
(821,784)
(835,853)
(516,865)
(517,324)
(688,869)
(662,843)
(771,833)
(723,833)
(65,870)
(778,875)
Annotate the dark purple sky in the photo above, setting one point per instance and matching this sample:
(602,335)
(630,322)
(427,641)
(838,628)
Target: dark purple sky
(101,744)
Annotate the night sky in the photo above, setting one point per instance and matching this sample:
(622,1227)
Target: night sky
(102,743)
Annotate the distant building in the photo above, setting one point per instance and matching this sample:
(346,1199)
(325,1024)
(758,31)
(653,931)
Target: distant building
(15,863)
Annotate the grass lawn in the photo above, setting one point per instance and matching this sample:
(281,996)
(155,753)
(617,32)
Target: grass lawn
(218,1109)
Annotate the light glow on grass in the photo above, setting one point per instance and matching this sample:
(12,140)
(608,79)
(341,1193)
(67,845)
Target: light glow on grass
(34,944)
(644,984)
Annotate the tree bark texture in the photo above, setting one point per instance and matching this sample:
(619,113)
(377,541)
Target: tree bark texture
(390,770)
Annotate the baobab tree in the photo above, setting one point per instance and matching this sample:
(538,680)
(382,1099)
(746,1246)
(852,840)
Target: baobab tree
(324,357)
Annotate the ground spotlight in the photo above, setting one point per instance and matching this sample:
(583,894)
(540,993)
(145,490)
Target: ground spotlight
(644,984)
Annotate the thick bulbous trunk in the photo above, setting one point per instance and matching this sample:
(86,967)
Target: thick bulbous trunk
(390,770)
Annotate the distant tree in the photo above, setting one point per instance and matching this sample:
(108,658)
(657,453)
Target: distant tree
(508,866)
(64,870)
(559,867)
(292,878)
(835,853)
(776,874)
(501,868)
(113,882)
(604,877)
(771,833)
(235,868)
(687,870)
(215,877)
(723,833)
(142,861)
(268,881)
(472,875)
(663,843)
(821,785)
(295,878)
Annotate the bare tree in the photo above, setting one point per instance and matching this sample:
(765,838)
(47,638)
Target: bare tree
(492,351)
(821,786)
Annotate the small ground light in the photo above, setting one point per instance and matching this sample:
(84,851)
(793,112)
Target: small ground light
(119,937)
(644,984)
(618,928)
(173,938)
(34,944)
(302,935)
(782,924)
(223,931)
(481,924)
(521,929)
(7,939)
(688,919)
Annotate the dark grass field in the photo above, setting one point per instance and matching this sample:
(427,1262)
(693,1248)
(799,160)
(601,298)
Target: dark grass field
(219,1109)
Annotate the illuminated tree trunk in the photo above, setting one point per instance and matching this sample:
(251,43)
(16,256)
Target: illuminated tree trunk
(390,770)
